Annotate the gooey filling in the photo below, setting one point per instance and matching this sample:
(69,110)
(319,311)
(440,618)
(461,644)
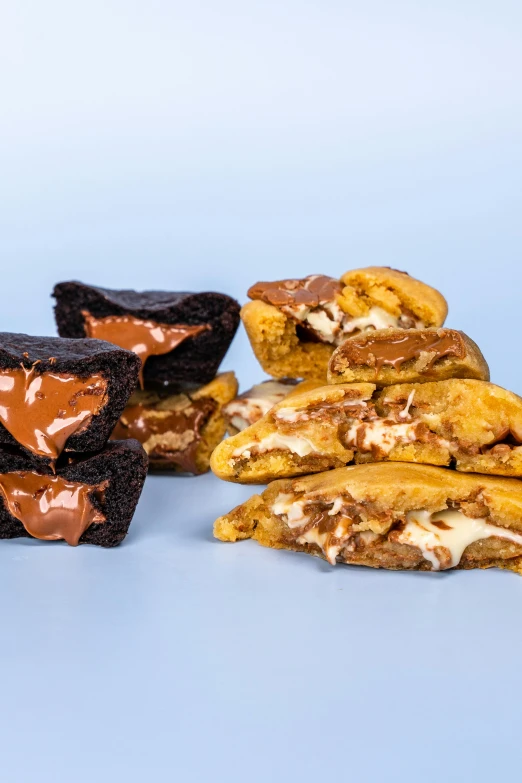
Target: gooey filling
(312,303)
(169,429)
(51,508)
(252,405)
(42,410)
(144,337)
(334,527)
(359,426)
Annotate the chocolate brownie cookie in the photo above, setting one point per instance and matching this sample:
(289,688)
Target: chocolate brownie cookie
(88,500)
(180,337)
(58,394)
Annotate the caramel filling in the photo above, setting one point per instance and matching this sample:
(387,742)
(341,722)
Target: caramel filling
(168,436)
(146,338)
(49,507)
(41,411)
(312,304)
(378,351)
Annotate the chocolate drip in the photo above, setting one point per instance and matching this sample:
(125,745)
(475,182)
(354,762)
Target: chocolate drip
(49,507)
(377,351)
(180,430)
(41,411)
(146,338)
(310,291)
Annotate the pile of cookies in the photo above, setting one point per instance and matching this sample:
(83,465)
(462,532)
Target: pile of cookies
(397,453)
(181,339)
(131,384)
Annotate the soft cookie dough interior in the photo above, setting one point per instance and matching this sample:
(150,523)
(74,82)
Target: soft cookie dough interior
(472,425)
(294,325)
(391,515)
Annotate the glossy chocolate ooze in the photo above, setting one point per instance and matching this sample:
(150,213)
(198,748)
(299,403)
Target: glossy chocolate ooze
(49,507)
(145,338)
(42,410)
(377,352)
(167,435)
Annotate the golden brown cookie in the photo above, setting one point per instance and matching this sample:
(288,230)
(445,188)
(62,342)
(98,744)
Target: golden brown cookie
(388,515)
(473,425)
(388,356)
(251,405)
(179,431)
(294,325)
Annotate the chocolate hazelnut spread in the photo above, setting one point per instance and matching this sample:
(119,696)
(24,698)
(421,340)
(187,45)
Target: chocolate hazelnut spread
(377,351)
(146,338)
(167,435)
(41,411)
(311,291)
(49,507)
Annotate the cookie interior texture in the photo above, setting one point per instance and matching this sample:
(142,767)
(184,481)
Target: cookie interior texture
(56,369)
(388,515)
(292,339)
(390,356)
(113,477)
(252,404)
(471,425)
(195,360)
(179,430)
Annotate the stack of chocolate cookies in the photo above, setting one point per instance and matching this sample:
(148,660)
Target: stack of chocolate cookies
(180,340)
(60,479)
(398,454)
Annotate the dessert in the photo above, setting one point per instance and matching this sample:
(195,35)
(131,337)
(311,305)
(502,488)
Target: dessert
(90,499)
(388,515)
(61,395)
(389,356)
(179,430)
(179,337)
(472,425)
(251,405)
(295,325)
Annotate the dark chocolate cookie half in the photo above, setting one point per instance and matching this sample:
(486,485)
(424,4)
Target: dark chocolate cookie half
(181,337)
(89,500)
(59,395)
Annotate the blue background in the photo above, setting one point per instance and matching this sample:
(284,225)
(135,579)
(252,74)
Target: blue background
(205,145)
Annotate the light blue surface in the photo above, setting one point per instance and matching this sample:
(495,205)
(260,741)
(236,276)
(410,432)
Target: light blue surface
(206,145)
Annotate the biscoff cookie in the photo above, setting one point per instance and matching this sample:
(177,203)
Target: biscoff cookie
(389,356)
(388,515)
(294,325)
(472,425)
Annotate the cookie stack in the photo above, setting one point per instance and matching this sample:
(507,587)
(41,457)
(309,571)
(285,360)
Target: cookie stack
(180,339)
(400,453)
(59,476)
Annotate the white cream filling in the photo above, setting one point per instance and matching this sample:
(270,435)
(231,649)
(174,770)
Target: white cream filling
(292,512)
(330,551)
(293,415)
(253,404)
(463,531)
(332,323)
(381,434)
(377,318)
(293,443)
